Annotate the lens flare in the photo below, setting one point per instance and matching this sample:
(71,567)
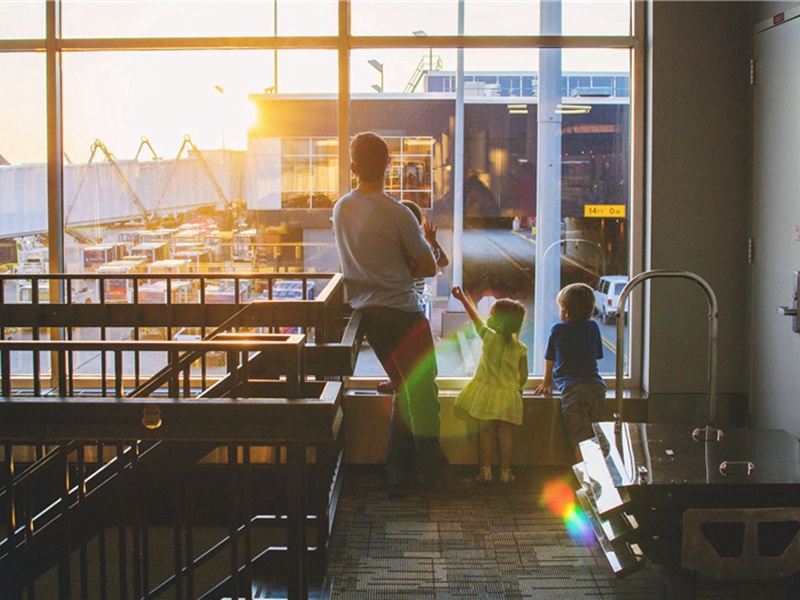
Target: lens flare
(560,499)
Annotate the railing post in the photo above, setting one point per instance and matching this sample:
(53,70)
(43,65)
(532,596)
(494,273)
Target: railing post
(177,533)
(296,517)
(64,579)
(122,546)
(83,557)
(137,520)
(9,506)
(247,510)
(233,518)
(174,384)
(118,374)
(5,367)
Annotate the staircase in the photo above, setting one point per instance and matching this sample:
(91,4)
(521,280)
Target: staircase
(182,487)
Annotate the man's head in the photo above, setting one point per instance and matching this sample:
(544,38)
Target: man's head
(369,157)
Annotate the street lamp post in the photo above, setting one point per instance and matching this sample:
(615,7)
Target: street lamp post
(275,52)
(221,90)
(378,66)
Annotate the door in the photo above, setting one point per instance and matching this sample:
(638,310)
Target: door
(775,348)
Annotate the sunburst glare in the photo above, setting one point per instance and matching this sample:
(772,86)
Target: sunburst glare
(559,497)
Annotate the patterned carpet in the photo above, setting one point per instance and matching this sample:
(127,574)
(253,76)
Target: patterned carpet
(499,543)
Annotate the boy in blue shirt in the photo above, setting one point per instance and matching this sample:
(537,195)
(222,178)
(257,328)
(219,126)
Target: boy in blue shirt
(571,357)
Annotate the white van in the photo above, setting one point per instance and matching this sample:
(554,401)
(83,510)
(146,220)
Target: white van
(606,295)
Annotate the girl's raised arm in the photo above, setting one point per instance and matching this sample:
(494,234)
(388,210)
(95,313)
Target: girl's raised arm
(464,298)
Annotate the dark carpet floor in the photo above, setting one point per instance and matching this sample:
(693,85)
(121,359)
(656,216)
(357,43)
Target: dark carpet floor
(502,542)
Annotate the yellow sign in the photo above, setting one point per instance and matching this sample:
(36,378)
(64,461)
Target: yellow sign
(615,211)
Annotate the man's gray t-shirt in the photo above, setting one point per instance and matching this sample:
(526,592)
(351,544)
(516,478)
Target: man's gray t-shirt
(375,237)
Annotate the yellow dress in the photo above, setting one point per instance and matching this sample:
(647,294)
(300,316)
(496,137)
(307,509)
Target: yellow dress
(494,391)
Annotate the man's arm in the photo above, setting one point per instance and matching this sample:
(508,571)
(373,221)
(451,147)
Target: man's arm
(424,266)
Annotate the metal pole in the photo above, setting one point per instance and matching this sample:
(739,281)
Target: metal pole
(548,185)
(275,34)
(55,141)
(454,305)
(344,97)
(55,169)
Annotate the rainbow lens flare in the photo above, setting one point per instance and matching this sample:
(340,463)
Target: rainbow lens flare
(560,499)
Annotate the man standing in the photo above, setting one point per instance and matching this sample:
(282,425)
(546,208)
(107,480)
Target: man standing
(382,249)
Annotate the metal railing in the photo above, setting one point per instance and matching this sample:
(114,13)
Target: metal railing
(125,491)
(184,307)
(91,482)
(713,334)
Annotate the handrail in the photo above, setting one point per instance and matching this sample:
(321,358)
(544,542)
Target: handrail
(189,275)
(713,329)
(229,345)
(158,379)
(281,343)
(576,241)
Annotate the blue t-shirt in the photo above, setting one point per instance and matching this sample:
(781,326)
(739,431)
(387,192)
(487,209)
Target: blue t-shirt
(575,347)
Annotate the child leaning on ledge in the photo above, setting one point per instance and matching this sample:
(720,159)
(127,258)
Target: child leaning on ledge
(574,347)
(494,395)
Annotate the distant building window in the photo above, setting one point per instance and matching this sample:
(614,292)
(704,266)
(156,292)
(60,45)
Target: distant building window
(623,87)
(310,171)
(603,82)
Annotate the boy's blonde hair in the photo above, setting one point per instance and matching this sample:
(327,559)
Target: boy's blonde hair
(578,300)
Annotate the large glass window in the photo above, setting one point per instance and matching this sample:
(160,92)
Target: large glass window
(498,236)
(176,18)
(22,19)
(224,152)
(487,17)
(23,157)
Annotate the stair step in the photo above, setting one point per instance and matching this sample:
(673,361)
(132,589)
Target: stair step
(624,558)
(595,477)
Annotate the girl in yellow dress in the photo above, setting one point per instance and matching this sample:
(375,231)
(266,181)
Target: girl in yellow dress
(494,395)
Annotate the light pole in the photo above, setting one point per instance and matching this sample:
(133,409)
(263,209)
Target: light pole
(378,66)
(221,90)
(275,52)
(421,33)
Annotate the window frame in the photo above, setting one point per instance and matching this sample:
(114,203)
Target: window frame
(344,42)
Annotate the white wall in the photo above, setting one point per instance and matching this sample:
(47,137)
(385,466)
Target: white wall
(775,347)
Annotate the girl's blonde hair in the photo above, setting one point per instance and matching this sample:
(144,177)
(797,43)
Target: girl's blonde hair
(578,300)
(506,317)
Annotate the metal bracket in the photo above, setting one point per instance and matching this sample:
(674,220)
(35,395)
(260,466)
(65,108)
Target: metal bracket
(705,434)
(748,466)
(791,311)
